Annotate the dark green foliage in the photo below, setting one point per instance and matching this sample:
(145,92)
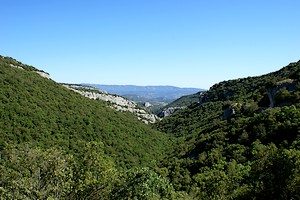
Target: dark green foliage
(239,141)
(16,64)
(255,88)
(94,174)
(31,173)
(57,144)
(275,172)
(142,183)
(45,114)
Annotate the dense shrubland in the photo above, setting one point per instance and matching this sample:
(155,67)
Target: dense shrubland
(58,144)
(250,153)
(240,141)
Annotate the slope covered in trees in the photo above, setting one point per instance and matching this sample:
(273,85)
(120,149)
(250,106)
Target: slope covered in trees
(57,144)
(43,113)
(241,141)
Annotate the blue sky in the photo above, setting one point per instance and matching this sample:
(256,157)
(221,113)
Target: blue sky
(186,43)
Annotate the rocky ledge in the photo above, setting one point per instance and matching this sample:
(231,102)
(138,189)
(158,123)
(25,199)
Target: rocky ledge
(41,73)
(169,111)
(116,102)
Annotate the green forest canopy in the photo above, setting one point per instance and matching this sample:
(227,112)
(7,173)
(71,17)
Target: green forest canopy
(240,141)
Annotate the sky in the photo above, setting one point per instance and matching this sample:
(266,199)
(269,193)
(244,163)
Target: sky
(184,43)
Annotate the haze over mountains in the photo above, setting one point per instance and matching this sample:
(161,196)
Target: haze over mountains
(157,94)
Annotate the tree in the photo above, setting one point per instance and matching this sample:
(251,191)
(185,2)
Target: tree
(94,173)
(275,172)
(33,173)
(142,183)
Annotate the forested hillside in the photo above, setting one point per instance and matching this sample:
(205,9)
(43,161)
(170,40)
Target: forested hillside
(58,144)
(241,141)
(238,140)
(41,111)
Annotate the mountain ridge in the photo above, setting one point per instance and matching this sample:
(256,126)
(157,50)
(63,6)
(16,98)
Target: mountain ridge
(152,98)
(162,92)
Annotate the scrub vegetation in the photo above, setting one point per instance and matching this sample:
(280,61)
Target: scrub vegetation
(240,140)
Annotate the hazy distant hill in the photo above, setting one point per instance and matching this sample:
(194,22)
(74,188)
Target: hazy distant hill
(163,94)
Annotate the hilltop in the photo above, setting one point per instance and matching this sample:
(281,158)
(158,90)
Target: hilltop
(266,90)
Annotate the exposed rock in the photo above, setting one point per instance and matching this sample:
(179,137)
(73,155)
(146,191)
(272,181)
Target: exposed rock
(147,104)
(18,67)
(43,74)
(203,98)
(116,102)
(169,111)
(288,84)
(229,112)
(231,109)
(271,97)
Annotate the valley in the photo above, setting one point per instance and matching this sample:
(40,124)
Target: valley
(153,98)
(238,140)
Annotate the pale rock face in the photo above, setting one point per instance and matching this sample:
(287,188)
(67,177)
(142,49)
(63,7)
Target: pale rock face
(229,112)
(18,67)
(289,84)
(43,74)
(169,111)
(117,102)
(147,104)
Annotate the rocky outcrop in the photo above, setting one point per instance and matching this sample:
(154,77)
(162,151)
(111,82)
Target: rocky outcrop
(270,94)
(116,102)
(43,74)
(15,66)
(288,84)
(147,105)
(169,111)
(228,113)
(233,108)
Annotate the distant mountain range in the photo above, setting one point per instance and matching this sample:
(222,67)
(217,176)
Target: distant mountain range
(152,94)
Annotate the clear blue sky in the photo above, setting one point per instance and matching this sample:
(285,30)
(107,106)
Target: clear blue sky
(186,43)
